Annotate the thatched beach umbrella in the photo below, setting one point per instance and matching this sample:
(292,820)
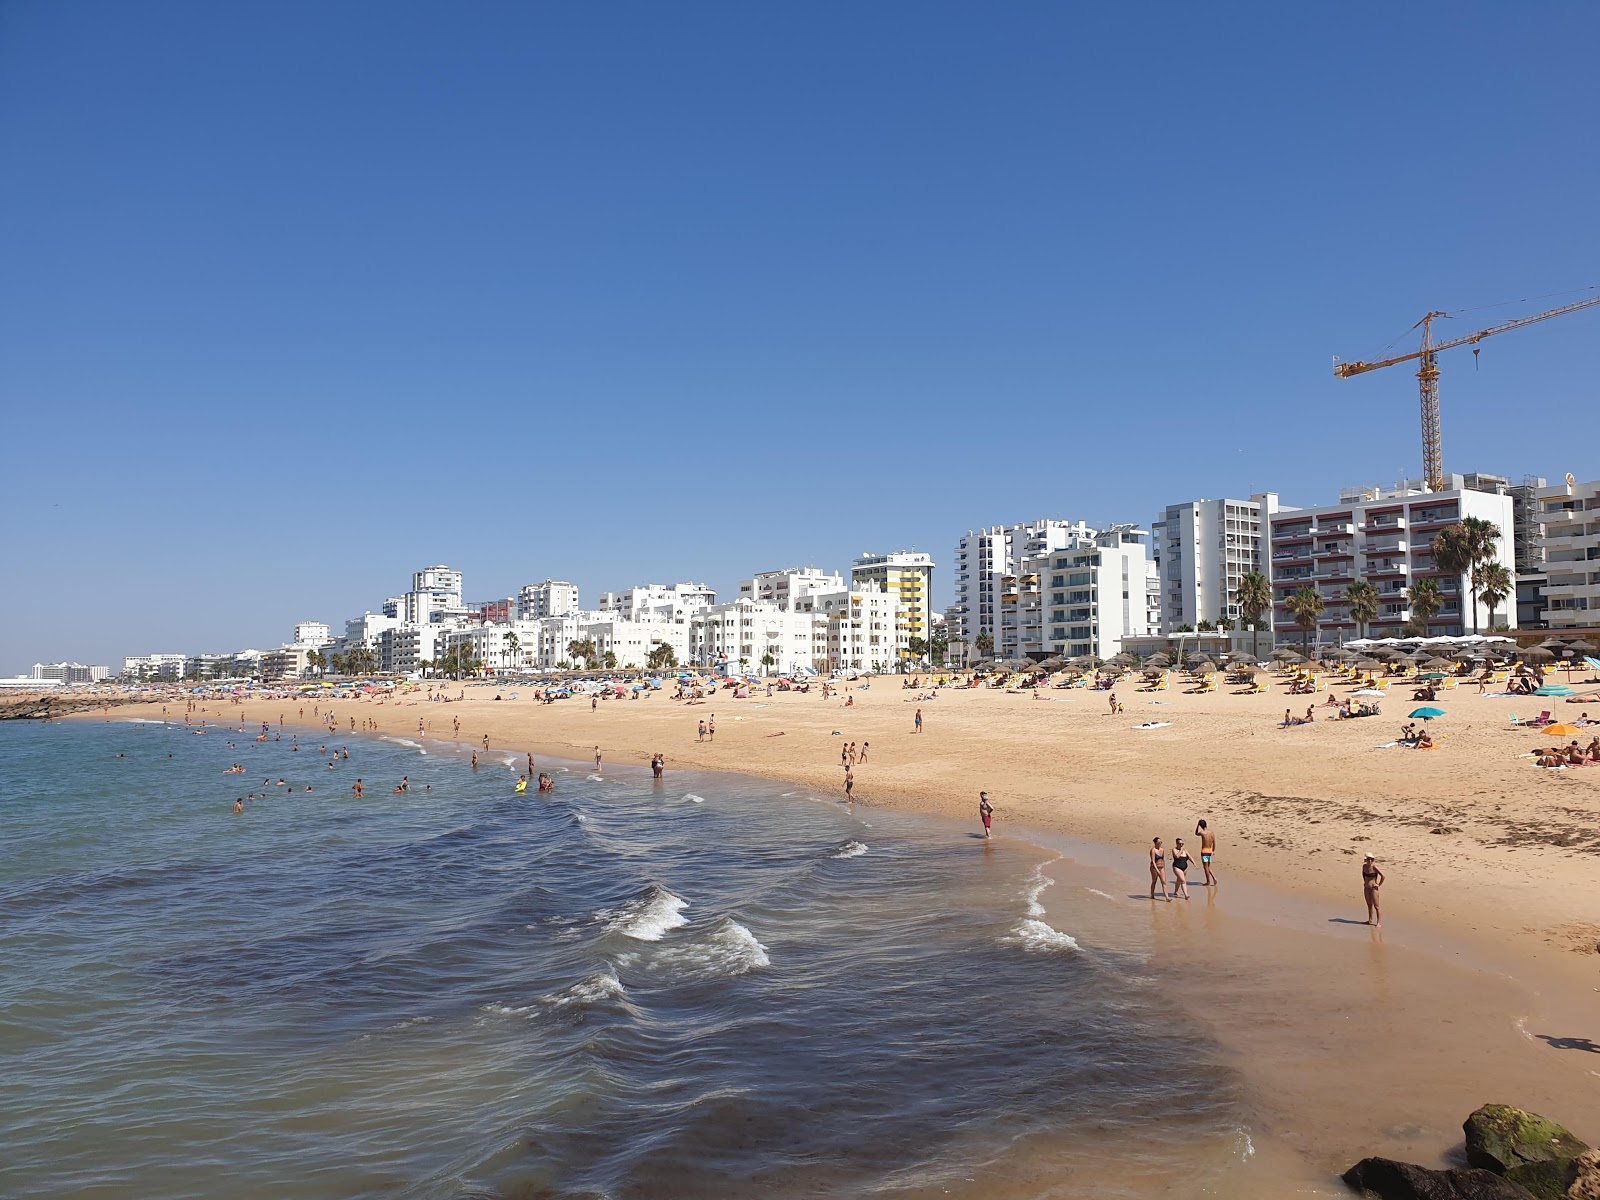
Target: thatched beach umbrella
(1087,660)
(1205,668)
(1287,655)
(1535,653)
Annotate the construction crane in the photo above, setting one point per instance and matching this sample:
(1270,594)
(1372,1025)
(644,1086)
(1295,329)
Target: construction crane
(1428,376)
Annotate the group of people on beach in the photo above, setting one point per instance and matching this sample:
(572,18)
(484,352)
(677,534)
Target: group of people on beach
(1181,860)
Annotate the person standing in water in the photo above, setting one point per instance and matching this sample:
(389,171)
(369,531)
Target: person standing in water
(1208,850)
(1158,869)
(985,813)
(1180,868)
(849,784)
(597,760)
(1371,881)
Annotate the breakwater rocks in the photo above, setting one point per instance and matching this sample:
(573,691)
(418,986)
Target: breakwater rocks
(1513,1155)
(42,706)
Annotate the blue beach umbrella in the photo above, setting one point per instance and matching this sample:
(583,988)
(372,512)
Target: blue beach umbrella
(1427,714)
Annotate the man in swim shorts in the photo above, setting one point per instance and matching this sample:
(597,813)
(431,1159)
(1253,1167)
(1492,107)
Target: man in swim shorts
(1208,848)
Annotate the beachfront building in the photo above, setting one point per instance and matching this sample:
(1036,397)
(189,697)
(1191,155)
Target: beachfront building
(788,587)
(865,630)
(758,636)
(366,631)
(552,598)
(632,642)
(908,576)
(403,648)
(1204,548)
(647,601)
(985,558)
(154,666)
(435,595)
(1384,536)
(1570,519)
(69,672)
(311,633)
(1083,597)
(286,662)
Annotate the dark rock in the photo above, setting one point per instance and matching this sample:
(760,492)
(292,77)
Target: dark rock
(1387,1179)
(1500,1137)
(1548,1180)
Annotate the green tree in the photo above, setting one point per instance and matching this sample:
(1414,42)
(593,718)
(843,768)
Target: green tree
(1306,606)
(1483,535)
(610,660)
(661,657)
(1184,628)
(985,645)
(916,647)
(1453,551)
(514,644)
(1205,627)
(1254,597)
(1494,586)
(938,647)
(768,662)
(1363,598)
(1425,603)
(582,651)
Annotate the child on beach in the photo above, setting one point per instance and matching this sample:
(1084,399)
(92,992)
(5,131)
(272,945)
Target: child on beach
(985,813)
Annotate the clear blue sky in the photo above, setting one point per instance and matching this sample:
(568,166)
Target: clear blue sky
(296,298)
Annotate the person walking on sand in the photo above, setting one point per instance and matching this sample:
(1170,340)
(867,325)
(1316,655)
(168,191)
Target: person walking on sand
(985,814)
(1113,701)
(486,741)
(1208,850)
(1371,881)
(849,784)
(711,727)
(702,736)
(918,721)
(1180,870)
(1158,869)
(597,760)
(864,746)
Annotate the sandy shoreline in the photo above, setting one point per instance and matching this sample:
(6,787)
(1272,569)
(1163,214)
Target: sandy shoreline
(1481,987)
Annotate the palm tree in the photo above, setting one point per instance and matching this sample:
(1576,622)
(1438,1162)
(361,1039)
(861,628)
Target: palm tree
(1425,603)
(515,645)
(1453,551)
(768,662)
(1254,597)
(610,660)
(1494,585)
(985,644)
(1483,535)
(1306,606)
(661,656)
(1363,598)
(582,650)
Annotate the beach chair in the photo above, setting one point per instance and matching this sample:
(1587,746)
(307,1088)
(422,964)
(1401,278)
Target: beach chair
(1542,719)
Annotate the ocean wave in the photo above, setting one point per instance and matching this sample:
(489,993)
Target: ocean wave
(599,987)
(730,949)
(141,721)
(693,799)
(1033,934)
(647,917)
(851,849)
(407,742)
(597,778)
(1038,881)
(1098,892)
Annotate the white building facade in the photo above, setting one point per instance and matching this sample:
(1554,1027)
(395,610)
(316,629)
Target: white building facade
(864,629)
(906,575)
(552,598)
(1204,548)
(1570,514)
(1081,598)
(1386,538)
(311,633)
(788,587)
(985,558)
(741,634)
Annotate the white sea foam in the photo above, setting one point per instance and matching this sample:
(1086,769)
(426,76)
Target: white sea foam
(693,799)
(596,779)
(728,950)
(1243,1144)
(407,742)
(851,849)
(602,985)
(1098,892)
(1037,882)
(1033,934)
(141,721)
(647,918)
(506,1010)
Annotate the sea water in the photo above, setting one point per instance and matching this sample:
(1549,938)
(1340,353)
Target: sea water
(707,986)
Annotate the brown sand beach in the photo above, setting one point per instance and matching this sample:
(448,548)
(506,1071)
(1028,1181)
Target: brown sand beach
(1483,985)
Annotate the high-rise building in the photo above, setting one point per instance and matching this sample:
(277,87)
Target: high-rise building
(1080,598)
(1386,538)
(908,576)
(1570,516)
(311,633)
(984,559)
(1204,548)
(787,587)
(552,598)
(655,600)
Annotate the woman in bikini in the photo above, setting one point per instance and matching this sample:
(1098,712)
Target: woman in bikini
(1158,869)
(1180,865)
(1371,881)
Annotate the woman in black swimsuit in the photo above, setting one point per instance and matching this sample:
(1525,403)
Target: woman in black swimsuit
(1180,864)
(1371,881)
(1158,869)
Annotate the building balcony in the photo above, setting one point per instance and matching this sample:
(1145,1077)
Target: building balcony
(1338,526)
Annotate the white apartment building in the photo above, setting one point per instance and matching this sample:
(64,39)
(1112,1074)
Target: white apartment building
(403,648)
(908,576)
(435,595)
(865,630)
(1084,597)
(69,672)
(154,666)
(437,579)
(286,662)
(368,629)
(786,588)
(1204,548)
(500,648)
(653,600)
(1571,518)
(552,598)
(984,558)
(311,633)
(1386,538)
(743,633)
(633,641)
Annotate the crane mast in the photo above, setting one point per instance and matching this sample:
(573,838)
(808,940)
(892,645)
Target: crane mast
(1428,376)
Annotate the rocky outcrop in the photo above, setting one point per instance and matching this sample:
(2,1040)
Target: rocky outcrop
(1547,1180)
(1586,1185)
(1386,1179)
(45,707)
(1500,1138)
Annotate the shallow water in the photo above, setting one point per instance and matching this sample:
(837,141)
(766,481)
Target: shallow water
(709,986)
